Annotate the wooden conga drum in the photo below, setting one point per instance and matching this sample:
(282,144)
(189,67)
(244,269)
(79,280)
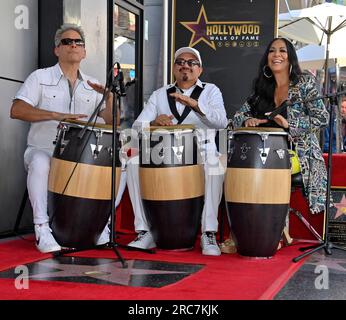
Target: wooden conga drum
(172,185)
(257,188)
(79,185)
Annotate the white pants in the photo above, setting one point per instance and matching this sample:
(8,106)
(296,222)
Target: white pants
(214,176)
(37,163)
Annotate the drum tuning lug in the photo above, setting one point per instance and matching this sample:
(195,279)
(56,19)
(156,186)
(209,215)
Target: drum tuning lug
(96,149)
(178,151)
(230,153)
(62,147)
(264,152)
(64,142)
(110,151)
(280,153)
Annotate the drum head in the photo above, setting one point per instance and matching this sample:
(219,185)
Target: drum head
(258,130)
(172,128)
(81,124)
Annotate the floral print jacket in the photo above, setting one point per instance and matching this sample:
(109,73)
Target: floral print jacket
(305,121)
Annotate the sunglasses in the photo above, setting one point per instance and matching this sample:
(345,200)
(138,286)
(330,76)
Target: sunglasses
(190,63)
(69,41)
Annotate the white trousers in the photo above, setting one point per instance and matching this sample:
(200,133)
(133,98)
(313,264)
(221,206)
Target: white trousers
(214,176)
(37,164)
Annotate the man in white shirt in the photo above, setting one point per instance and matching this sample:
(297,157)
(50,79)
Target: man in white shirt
(47,97)
(207,112)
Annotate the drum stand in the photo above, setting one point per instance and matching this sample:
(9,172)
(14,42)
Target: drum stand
(326,244)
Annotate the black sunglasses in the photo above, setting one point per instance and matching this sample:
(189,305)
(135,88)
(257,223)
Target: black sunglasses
(190,63)
(69,41)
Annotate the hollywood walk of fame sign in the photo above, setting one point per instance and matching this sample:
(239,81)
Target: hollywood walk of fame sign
(231,36)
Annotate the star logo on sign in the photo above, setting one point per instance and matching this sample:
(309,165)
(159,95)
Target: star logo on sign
(341,207)
(199,30)
(205,31)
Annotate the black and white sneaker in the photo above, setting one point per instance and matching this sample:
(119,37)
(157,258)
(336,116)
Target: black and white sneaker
(45,241)
(144,240)
(209,244)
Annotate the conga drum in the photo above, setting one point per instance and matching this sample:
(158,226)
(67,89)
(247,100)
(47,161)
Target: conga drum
(172,185)
(80,181)
(257,188)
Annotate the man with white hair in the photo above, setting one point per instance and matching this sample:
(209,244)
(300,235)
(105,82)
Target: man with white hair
(206,111)
(47,97)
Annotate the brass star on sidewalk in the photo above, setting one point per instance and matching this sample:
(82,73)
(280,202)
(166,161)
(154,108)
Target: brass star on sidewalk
(341,206)
(331,263)
(109,272)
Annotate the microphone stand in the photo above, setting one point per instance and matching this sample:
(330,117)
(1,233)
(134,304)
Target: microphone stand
(113,86)
(326,244)
(117,93)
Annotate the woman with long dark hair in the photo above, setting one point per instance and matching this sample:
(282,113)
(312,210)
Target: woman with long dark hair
(279,79)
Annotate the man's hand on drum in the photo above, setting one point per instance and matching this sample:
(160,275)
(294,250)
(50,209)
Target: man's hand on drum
(254,122)
(163,120)
(187,101)
(63,116)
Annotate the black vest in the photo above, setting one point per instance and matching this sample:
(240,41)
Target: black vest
(194,95)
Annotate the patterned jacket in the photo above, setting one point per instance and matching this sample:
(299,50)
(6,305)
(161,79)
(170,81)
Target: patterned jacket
(305,121)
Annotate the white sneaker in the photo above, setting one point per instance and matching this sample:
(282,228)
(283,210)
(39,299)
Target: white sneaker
(144,240)
(209,244)
(45,241)
(104,237)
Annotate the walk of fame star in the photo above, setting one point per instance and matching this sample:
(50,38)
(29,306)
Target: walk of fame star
(341,207)
(139,273)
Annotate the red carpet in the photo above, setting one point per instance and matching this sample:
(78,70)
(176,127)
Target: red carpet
(227,277)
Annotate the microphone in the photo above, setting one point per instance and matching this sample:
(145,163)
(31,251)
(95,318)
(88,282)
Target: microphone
(120,77)
(130,83)
(279,109)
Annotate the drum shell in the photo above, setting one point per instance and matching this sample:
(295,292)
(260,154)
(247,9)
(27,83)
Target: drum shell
(79,186)
(172,191)
(257,194)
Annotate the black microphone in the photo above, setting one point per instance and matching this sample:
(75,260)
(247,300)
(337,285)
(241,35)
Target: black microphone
(279,109)
(120,76)
(130,83)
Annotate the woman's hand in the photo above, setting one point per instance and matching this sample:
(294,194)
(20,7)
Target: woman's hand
(254,122)
(281,121)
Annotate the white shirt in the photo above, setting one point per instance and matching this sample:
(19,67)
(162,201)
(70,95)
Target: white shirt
(48,89)
(210,102)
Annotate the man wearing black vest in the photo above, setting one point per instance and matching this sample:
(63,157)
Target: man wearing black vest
(187,101)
